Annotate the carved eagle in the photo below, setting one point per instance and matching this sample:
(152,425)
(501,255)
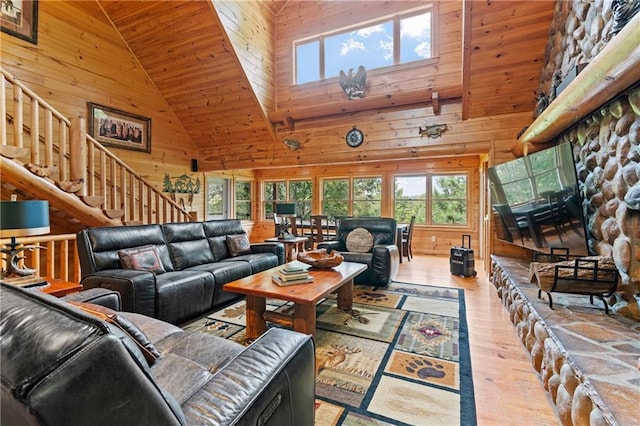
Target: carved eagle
(353,85)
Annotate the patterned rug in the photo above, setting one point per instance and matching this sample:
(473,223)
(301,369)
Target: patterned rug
(401,357)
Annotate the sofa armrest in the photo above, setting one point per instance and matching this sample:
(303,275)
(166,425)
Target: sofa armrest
(100,296)
(385,263)
(275,248)
(271,382)
(333,245)
(137,288)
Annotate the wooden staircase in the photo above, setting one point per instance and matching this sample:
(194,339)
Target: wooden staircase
(44,155)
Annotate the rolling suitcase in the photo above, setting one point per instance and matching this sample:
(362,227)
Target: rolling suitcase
(461,261)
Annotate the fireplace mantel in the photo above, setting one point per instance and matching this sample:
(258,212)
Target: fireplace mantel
(613,70)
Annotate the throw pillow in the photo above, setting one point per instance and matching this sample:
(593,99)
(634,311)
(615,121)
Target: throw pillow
(359,241)
(127,327)
(238,244)
(145,258)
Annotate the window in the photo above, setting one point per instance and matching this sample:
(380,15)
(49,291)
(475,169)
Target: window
(449,200)
(273,192)
(445,203)
(301,193)
(335,197)
(218,198)
(397,40)
(243,200)
(367,196)
(410,198)
(356,196)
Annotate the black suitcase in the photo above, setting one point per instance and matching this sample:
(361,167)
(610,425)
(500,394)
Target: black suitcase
(461,261)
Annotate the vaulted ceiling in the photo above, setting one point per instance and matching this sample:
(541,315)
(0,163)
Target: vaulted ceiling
(186,50)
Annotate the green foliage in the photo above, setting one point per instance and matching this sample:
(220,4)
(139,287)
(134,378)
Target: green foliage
(301,192)
(243,200)
(367,197)
(449,200)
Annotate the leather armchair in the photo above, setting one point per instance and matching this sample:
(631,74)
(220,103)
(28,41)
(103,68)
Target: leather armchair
(383,259)
(63,366)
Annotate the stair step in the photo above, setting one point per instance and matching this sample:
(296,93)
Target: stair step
(93,200)
(42,171)
(113,213)
(70,186)
(13,152)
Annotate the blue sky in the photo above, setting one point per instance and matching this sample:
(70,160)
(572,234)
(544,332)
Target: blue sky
(371,46)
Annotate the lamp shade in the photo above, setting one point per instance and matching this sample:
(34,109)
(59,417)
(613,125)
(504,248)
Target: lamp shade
(286,208)
(23,218)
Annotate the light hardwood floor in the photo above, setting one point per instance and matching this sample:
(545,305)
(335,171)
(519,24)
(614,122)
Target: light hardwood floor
(508,391)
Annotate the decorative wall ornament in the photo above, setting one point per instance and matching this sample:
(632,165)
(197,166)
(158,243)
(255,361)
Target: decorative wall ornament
(623,11)
(184,184)
(292,144)
(434,131)
(353,85)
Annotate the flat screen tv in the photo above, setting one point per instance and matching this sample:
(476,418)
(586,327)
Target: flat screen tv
(537,203)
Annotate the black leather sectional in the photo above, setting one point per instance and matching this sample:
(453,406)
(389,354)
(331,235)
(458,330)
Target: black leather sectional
(195,263)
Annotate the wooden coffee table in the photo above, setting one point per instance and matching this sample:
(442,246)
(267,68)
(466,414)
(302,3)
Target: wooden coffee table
(259,287)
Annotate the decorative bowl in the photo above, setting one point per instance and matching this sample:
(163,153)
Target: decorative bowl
(320,258)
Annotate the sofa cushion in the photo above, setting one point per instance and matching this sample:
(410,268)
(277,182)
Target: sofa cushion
(130,329)
(359,241)
(182,295)
(145,258)
(187,244)
(238,244)
(98,247)
(257,261)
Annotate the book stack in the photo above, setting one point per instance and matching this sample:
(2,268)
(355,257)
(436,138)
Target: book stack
(293,273)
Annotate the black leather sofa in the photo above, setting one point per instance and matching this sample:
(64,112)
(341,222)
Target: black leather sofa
(380,254)
(64,365)
(195,261)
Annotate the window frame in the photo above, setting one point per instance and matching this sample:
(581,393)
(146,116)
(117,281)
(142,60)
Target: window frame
(429,199)
(433,200)
(349,201)
(249,201)
(395,19)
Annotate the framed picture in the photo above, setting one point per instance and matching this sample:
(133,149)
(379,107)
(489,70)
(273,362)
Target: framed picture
(112,127)
(20,18)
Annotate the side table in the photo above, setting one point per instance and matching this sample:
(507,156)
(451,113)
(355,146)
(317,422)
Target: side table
(290,244)
(59,288)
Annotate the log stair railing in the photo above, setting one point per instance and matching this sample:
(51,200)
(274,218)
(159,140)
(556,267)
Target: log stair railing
(54,158)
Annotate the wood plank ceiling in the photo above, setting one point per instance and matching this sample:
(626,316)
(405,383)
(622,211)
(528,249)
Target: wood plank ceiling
(186,52)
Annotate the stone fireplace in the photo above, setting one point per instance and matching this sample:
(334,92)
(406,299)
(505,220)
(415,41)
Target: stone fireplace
(606,139)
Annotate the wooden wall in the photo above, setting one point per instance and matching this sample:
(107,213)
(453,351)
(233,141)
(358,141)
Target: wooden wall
(80,58)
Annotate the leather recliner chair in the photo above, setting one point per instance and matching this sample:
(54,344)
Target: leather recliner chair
(64,366)
(382,259)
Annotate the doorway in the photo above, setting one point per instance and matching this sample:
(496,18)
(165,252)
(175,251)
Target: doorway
(217,198)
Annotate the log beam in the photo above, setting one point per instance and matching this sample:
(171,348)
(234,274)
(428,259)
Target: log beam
(614,69)
(416,97)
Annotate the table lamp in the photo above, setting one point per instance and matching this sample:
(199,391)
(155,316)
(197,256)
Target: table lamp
(285,210)
(21,219)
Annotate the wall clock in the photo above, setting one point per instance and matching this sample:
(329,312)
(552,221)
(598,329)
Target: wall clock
(354,137)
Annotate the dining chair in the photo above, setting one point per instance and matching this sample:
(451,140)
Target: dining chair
(510,224)
(406,240)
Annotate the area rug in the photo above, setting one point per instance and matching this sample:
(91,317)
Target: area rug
(401,357)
